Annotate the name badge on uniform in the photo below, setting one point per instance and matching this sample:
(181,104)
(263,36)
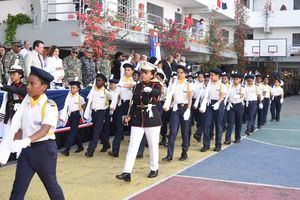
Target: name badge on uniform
(37,123)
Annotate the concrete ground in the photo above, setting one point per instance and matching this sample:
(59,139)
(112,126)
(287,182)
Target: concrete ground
(94,178)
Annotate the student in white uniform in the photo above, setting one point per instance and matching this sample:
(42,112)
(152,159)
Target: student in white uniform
(98,103)
(266,101)
(277,95)
(73,107)
(36,139)
(252,94)
(182,93)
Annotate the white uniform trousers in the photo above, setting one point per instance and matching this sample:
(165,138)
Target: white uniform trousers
(136,135)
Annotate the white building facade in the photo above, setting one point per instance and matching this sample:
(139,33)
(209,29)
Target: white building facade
(278,19)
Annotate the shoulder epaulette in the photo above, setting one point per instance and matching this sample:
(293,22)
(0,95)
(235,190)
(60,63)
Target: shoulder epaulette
(52,103)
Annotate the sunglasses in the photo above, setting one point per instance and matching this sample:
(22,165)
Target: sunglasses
(75,52)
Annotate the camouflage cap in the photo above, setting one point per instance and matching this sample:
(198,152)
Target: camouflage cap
(89,49)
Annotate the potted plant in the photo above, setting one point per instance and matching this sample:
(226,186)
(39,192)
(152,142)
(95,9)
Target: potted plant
(117,21)
(137,25)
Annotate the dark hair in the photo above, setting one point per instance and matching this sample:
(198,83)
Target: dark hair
(201,19)
(37,43)
(118,54)
(51,50)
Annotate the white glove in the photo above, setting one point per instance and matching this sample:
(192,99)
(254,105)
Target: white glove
(1,86)
(281,100)
(229,106)
(247,104)
(147,89)
(260,106)
(187,114)
(216,106)
(18,145)
(111,112)
(175,107)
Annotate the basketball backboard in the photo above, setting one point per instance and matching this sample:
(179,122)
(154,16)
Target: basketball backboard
(251,48)
(273,47)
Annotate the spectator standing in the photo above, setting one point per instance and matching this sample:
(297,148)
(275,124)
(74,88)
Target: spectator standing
(88,67)
(103,65)
(72,66)
(116,68)
(188,22)
(2,54)
(35,57)
(200,27)
(26,49)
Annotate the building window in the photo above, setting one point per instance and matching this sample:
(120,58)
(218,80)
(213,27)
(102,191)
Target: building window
(296,4)
(155,13)
(296,39)
(225,35)
(178,18)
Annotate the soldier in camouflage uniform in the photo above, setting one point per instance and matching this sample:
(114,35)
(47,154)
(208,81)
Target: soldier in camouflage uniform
(2,54)
(88,67)
(72,66)
(10,58)
(103,65)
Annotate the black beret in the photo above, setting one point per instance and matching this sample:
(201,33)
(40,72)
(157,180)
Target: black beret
(17,43)
(206,75)
(266,76)
(190,75)
(128,65)
(216,70)
(152,60)
(42,74)
(249,76)
(259,75)
(200,72)
(75,83)
(161,75)
(114,80)
(237,75)
(225,74)
(174,74)
(183,68)
(99,75)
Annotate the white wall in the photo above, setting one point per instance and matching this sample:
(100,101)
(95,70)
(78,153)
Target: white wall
(277,34)
(276,4)
(14,7)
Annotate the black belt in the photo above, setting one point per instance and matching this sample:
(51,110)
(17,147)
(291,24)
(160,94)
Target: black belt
(236,103)
(182,104)
(40,143)
(74,112)
(124,101)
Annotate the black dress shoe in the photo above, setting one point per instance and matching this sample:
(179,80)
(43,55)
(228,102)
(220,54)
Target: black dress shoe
(237,141)
(252,130)
(66,152)
(228,142)
(197,137)
(89,154)
(139,156)
(113,154)
(204,148)
(277,120)
(183,156)
(167,158)
(247,132)
(217,149)
(79,149)
(104,149)
(162,142)
(124,176)
(153,174)
(272,120)
(259,127)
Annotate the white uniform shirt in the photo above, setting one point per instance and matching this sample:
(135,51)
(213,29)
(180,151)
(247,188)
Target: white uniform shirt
(234,95)
(180,91)
(198,88)
(112,94)
(76,102)
(51,64)
(261,87)
(252,92)
(276,91)
(124,93)
(267,89)
(32,120)
(100,99)
(215,90)
(24,52)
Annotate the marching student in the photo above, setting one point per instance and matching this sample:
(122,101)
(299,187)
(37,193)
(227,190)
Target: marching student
(225,80)
(36,139)
(252,95)
(261,87)
(14,94)
(277,95)
(235,108)
(214,97)
(197,98)
(97,105)
(266,101)
(74,105)
(124,94)
(182,92)
(143,118)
